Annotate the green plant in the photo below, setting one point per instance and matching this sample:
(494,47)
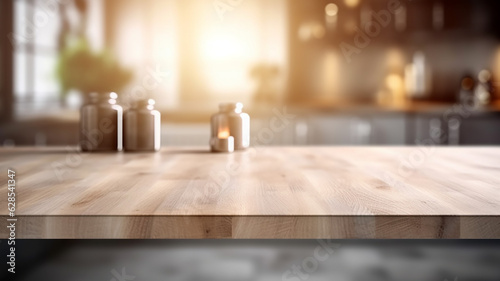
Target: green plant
(82,69)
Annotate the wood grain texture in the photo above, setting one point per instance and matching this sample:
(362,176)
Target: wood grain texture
(272,192)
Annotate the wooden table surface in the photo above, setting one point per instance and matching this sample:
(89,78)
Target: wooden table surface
(271,192)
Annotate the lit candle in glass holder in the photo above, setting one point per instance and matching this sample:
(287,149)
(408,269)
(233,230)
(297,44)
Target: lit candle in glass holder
(223,142)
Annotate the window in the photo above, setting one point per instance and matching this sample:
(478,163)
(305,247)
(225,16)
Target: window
(38,38)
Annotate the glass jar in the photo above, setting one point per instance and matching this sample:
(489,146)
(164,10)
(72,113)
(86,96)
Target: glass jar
(231,121)
(141,128)
(101,123)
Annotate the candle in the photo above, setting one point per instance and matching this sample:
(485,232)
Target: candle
(224,144)
(223,134)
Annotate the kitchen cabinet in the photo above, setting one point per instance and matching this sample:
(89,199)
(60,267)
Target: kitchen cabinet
(404,128)
(389,129)
(358,130)
(480,130)
(430,129)
(339,130)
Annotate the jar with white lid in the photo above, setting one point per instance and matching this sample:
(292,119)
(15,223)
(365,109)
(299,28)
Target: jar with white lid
(101,123)
(141,127)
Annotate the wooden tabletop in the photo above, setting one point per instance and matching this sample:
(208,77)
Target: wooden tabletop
(266,192)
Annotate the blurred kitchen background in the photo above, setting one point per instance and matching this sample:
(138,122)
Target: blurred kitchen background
(262,260)
(351,72)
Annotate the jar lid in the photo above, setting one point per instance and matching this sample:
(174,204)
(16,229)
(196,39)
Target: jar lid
(96,96)
(231,106)
(144,102)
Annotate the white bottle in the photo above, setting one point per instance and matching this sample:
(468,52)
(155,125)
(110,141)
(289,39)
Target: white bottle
(418,77)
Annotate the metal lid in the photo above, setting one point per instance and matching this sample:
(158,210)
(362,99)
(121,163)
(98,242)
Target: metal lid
(143,102)
(96,97)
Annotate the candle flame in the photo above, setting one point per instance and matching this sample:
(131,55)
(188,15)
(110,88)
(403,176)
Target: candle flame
(223,134)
